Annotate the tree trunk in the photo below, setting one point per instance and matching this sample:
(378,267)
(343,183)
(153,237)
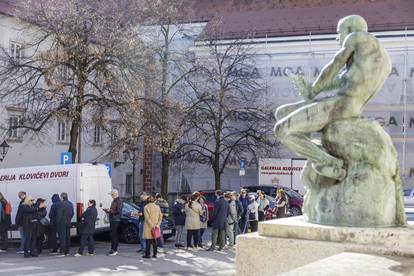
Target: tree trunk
(76,120)
(73,143)
(217,180)
(217,174)
(166,159)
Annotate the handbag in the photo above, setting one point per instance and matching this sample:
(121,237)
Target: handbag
(252,216)
(156,232)
(44,221)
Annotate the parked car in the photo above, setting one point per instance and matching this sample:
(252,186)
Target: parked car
(129,224)
(295,199)
(409,197)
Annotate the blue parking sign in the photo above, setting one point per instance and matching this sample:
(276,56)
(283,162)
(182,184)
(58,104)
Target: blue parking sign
(65,158)
(242,164)
(109,168)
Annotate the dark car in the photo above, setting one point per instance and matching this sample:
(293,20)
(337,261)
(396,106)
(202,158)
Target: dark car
(295,199)
(129,224)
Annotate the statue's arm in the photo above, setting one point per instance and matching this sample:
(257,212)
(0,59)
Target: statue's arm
(328,79)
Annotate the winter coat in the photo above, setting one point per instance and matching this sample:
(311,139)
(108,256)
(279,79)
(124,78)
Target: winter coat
(116,210)
(141,210)
(240,209)
(88,220)
(163,206)
(65,213)
(179,212)
(232,217)
(41,213)
(245,202)
(254,209)
(263,204)
(204,225)
(19,214)
(5,220)
(192,216)
(28,216)
(54,209)
(153,217)
(282,208)
(220,214)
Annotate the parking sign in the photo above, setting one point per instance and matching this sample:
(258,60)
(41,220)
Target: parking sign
(109,168)
(65,158)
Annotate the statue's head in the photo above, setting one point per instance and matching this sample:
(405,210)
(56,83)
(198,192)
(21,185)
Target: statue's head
(350,24)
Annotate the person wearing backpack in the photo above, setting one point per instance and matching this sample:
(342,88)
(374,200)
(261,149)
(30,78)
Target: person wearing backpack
(5,222)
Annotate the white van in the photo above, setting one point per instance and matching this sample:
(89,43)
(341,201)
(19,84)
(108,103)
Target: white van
(81,182)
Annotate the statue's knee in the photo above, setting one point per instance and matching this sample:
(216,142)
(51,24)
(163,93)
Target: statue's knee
(279,113)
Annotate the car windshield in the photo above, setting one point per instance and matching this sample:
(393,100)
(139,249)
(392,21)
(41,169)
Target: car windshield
(407,192)
(292,193)
(132,204)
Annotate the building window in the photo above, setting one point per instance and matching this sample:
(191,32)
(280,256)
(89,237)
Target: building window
(16,51)
(13,124)
(128,184)
(62,133)
(97,135)
(114,135)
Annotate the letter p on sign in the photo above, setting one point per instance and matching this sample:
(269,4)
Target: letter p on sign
(65,158)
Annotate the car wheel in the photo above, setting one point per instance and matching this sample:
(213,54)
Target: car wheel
(130,234)
(295,211)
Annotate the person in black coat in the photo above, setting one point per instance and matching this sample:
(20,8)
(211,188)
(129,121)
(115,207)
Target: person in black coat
(40,228)
(179,219)
(88,220)
(53,224)
(5,223)
(220,214)
(63,221)
(29,221)
(19,221)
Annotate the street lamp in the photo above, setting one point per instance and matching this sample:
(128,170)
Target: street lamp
(131,155)
(4,148)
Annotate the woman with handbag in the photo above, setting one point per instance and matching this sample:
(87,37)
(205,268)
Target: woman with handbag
(203,220)
(152,223)
(193,211)
(252,214)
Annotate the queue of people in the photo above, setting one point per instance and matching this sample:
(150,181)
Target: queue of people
(233,214)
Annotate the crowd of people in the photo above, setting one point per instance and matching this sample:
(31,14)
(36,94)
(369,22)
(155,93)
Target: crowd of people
(233,213)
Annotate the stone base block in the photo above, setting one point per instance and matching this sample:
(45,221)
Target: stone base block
(286,244)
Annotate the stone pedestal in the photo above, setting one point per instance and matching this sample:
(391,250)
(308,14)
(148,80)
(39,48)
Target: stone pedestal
(287,244)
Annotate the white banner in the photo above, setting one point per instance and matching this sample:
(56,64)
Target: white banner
(284,172)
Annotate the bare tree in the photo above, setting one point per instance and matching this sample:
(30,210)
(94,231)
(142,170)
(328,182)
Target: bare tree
(75,55)
(166,111)
(229,117)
